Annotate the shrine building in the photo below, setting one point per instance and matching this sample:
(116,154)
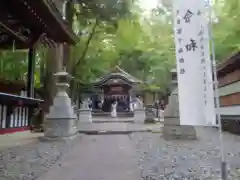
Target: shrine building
(116,85)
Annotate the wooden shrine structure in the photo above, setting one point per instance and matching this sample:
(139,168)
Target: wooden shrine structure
(229,93)
(117,85)
(23,25)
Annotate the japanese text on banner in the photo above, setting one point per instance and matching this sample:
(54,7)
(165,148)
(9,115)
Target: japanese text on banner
(190,55)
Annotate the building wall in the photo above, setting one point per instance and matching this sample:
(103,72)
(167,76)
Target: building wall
(229,92)
(229,78)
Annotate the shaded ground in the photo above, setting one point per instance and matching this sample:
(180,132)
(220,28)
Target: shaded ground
(29,161)
(193,160)
(140,155)
(18,139)
(30,158)
(106,157)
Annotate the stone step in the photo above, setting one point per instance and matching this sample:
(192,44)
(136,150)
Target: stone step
(108,114)
(113,121)
(117,128)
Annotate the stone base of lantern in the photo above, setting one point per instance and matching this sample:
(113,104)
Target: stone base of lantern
(172,129)
(174,132)
(84,115)
(139,115)
(61,122)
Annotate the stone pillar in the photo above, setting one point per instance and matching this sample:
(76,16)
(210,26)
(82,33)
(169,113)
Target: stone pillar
(139,115)
(85,113)
(139,112)
(161,115)
(172,128)
(61,121)
(150,116)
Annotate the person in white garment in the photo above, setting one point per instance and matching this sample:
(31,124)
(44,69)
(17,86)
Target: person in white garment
(162,110)
(131,106)
(114,109)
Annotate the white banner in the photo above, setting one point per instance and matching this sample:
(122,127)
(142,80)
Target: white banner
(209,106)
(193,62)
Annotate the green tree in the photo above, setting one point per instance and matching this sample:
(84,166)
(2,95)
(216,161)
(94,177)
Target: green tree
(96,23)
(226,29)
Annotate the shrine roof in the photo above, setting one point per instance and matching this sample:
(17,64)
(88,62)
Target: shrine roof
(24,22)
(117,72)
(229,65)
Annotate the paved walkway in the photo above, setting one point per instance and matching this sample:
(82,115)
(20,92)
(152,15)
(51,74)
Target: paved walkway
(18,139)
(106,157)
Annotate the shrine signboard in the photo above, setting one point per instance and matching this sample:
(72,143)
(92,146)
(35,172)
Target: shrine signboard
(116,89)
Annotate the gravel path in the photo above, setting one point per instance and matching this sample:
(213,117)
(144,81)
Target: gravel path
(27,162)
(104,157)
(186,160)
(158,159)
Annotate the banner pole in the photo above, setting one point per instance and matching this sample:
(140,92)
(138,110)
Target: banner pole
(217,103)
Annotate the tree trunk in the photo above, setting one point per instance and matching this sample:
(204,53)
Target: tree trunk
(53,65)
(67,60)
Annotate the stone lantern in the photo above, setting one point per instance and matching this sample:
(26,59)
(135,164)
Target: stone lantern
(62,81)
(172,128)
(61,119)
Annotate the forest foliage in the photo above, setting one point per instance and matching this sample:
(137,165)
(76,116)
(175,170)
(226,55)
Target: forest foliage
(113,32)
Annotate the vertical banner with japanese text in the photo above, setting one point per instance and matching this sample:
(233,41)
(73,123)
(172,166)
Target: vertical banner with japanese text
(193,61)
(209,106)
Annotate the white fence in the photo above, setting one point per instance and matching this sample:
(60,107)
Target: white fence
(18,118)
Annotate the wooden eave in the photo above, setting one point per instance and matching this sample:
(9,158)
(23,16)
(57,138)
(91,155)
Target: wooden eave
(106,79)
(126,74)
(58,28)
(23,22)
(231,64)
(117,73)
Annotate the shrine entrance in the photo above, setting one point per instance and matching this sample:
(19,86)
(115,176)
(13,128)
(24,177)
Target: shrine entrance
(118,86)
(119,93)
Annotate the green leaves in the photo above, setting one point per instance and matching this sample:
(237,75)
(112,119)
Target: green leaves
(141,45)
(226,30)
(105,10)
(13,65)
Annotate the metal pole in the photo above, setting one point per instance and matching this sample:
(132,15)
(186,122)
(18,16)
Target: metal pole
(217,104)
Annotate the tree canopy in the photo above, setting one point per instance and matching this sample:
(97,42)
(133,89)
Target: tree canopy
(113,32)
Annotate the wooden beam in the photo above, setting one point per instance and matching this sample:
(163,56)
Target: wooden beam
(12,33)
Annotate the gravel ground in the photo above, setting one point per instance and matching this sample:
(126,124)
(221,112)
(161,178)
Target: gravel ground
(187,160)
(28,162)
